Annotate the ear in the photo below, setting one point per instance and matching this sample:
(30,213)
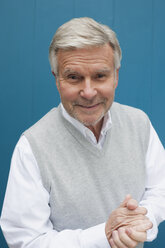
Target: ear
(53,73)
(57,83)
(56,78)
(117,77)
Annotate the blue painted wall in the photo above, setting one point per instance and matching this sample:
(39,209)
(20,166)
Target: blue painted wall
(27,88)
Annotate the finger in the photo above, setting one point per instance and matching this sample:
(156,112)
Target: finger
(132,204)
(143,227)
(141,210)
(136,222)
(117,241)
(129,242)
(136,235)
(136,211)
(112,244)
(126,219)
(124,203)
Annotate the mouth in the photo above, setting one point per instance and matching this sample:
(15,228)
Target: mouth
(89,107)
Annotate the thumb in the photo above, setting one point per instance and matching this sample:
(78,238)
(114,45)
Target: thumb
(132,204)
(125,202)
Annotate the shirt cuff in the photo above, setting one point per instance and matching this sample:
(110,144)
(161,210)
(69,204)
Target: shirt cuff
(95,237)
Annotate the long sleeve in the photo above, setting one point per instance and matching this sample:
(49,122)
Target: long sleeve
(154,196)
(25,215)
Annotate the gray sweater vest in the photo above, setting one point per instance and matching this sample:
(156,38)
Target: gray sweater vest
(85,184)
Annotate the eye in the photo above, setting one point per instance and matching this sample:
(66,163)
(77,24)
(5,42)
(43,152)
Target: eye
(100,76)
(73,77)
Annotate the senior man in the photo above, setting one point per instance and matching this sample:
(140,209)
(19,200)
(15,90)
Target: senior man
(91,172)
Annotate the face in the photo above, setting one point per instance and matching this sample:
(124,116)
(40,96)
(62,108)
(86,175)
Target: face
(87,82)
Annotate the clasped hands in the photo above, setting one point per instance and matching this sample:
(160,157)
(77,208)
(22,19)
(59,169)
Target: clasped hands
(127,225)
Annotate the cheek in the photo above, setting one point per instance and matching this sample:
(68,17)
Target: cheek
(69,93)
(108,91)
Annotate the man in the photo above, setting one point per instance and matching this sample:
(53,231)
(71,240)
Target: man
(90,173)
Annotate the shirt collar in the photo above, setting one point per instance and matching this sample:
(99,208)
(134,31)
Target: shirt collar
(107,123)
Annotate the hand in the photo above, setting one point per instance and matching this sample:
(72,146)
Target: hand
(126,237)
(128,212)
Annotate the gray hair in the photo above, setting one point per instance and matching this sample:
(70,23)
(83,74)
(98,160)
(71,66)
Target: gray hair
(81,33)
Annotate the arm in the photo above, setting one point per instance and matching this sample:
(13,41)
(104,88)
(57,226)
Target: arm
(154,197)
(25,215)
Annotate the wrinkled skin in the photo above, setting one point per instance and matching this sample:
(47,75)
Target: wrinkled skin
(127,225)
(86,83)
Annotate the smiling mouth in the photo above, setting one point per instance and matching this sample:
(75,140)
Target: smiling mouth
(89,107)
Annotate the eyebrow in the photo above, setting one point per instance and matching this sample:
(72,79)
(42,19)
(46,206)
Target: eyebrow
(67,71)
(104,70)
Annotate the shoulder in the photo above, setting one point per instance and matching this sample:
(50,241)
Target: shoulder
(131,121)
(48,121)
(124,113)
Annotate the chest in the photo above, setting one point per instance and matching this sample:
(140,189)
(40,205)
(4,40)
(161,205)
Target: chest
(85,188)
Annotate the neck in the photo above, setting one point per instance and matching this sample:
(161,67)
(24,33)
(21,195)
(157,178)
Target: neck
(96,129)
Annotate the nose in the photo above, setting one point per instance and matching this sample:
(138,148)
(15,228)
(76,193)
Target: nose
(88,90)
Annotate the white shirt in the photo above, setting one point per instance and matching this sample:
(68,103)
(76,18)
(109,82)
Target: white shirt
(107,123)
(25,215)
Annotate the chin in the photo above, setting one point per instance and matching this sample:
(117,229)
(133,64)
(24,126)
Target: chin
(90,121)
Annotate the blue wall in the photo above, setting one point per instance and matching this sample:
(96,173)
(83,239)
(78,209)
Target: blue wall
(27,88)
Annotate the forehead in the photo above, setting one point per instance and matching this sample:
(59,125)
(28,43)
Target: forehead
(86,58)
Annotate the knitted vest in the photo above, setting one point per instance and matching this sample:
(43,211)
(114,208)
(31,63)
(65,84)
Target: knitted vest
(85,184)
